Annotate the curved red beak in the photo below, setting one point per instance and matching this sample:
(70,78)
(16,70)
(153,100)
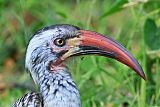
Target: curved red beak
(95,43)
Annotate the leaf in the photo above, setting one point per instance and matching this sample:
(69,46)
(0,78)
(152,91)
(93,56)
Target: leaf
(152,35)
(117,6)
(151,5)
(62,14)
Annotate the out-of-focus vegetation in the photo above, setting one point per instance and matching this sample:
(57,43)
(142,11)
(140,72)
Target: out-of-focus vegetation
(102,82)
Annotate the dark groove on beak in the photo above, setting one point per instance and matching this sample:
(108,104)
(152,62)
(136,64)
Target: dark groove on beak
(86,50)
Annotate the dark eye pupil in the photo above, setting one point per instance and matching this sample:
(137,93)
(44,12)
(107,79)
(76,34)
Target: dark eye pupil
(59,42)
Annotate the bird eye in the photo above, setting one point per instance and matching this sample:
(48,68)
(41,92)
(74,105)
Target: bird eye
(59,42)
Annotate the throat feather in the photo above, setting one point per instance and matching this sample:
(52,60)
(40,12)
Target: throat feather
(58,88)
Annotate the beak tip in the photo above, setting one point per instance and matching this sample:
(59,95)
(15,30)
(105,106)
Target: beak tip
(143,75)
(140,71)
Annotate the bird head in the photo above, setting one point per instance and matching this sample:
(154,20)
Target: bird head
(53,45)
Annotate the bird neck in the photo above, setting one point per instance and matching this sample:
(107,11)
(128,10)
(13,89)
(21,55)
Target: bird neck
(57,87)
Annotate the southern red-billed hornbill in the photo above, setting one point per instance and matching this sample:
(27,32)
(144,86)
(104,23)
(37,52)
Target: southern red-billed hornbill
(47,53)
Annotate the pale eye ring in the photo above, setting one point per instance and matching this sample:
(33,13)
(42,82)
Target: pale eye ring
(59,42)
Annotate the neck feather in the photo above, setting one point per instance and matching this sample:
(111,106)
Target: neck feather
(57,87)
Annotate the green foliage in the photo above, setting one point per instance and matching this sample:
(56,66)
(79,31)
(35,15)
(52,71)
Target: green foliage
(117,6)
(102,82)
(152,35)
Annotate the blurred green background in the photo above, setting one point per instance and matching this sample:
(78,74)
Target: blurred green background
(102,82)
